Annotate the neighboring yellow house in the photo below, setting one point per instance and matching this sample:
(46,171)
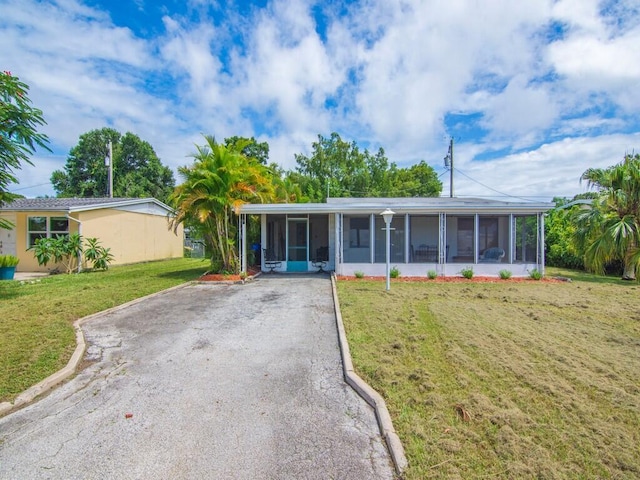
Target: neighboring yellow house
(135,229)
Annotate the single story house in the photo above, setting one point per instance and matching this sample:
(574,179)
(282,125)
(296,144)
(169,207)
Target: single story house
(348,235)
(135,229)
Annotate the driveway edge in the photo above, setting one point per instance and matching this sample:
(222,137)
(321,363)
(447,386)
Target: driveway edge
(69,369)
(363,389)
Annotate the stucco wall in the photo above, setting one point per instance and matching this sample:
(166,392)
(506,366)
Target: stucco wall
(132,237)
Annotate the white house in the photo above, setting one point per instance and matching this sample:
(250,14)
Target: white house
(442,234)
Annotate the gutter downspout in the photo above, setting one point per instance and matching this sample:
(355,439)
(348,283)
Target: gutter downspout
(69,217)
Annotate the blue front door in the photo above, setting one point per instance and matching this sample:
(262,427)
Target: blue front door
(297,251)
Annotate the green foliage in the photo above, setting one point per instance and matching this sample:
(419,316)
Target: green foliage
(394,272)
(337,168)
(249,147)
(560,229)
(359,274)
(19,138)
(98,255)
(67,249)
(505,274)
(214,186)
(8,261)
(609,231)
(535,274)
(467,272)
(137,171)
(432,274)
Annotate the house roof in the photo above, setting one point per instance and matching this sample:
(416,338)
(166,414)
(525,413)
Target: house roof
(78,204)
(401,206)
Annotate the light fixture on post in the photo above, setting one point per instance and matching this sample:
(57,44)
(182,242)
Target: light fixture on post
(387,215)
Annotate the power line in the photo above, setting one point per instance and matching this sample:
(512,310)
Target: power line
(490,188)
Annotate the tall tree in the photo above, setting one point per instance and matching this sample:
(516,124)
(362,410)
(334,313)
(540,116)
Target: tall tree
(214,186)
(337,168)
(19,122)
(251,148)
(137,171)
(610,230)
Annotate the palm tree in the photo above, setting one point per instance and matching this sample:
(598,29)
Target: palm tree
(219,181)
(610,230)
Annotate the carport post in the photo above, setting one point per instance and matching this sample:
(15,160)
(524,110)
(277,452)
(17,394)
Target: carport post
(243,243)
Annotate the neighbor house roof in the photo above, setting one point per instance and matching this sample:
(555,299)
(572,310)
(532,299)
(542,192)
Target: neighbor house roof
(400,206)
(78,204)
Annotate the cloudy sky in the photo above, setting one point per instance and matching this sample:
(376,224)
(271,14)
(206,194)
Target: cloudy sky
(533,92)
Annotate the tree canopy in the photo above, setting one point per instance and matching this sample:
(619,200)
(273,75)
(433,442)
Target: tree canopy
(337,168)
(219,180)
(19,137)
(137,171)
(610,229)
(249,147)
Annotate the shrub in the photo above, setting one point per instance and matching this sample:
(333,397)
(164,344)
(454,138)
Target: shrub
(359,274)
(432,274)
(504,274)
(467,272)
(66,250)
(535,274)
(394,272)
(8,261)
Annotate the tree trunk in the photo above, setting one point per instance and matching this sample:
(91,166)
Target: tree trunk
(629,271)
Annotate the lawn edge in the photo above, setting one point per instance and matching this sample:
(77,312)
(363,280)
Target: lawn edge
(55,379)
(372,397)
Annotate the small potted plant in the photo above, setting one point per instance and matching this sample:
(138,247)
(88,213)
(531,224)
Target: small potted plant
(8,266)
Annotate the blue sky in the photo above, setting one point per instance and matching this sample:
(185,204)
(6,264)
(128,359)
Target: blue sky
(534,93)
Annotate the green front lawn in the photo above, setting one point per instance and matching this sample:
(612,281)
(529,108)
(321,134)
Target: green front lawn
(36,318)
(504,380)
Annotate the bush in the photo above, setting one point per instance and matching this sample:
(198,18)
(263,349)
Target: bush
(66,250)
(432,274)
(359,274)
(8,261)
(535,274)
(467,272)
(504,274)
(394,272)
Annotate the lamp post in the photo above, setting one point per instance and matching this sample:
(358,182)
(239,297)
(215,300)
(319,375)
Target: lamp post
(388,216)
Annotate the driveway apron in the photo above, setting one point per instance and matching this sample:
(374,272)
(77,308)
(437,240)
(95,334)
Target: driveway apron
(207,381)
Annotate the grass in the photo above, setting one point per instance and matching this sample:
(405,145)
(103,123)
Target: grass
(36,331)
(505,380)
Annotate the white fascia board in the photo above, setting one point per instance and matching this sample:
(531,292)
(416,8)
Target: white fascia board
(123,205)
(368,208)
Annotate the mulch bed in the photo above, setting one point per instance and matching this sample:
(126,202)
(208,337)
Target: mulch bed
(220,277)
(478,279)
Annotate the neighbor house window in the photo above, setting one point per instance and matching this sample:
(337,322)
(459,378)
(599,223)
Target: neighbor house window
(46,227)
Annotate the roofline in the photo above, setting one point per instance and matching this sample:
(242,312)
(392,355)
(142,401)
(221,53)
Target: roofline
(124,203)
(95,206)
(284,208)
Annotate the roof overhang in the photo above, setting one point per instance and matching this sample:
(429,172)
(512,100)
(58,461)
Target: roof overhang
(399,206)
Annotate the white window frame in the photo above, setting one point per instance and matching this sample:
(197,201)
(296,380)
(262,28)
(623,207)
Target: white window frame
(48,232)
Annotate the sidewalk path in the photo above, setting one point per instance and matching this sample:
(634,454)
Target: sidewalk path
(207,381)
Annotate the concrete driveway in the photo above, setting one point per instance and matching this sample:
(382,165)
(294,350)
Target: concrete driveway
(206,382)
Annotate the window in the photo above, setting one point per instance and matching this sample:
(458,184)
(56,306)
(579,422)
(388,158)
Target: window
(525,238)
(460,238)
(357,239)
(45,227)
(396,236)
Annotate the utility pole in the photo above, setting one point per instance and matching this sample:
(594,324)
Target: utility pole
(448,162)
(109,161)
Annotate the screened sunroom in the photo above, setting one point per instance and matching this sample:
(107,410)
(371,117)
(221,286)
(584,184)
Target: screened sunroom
(348,235)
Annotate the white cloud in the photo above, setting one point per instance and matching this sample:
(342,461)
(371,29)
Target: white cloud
(385,74)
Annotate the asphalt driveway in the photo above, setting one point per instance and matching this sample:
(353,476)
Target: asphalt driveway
(207,381)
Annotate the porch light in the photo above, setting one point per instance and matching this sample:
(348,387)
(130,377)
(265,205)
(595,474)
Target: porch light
(387,215)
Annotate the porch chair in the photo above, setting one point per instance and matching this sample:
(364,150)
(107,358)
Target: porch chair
(270,260)
(321,259)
